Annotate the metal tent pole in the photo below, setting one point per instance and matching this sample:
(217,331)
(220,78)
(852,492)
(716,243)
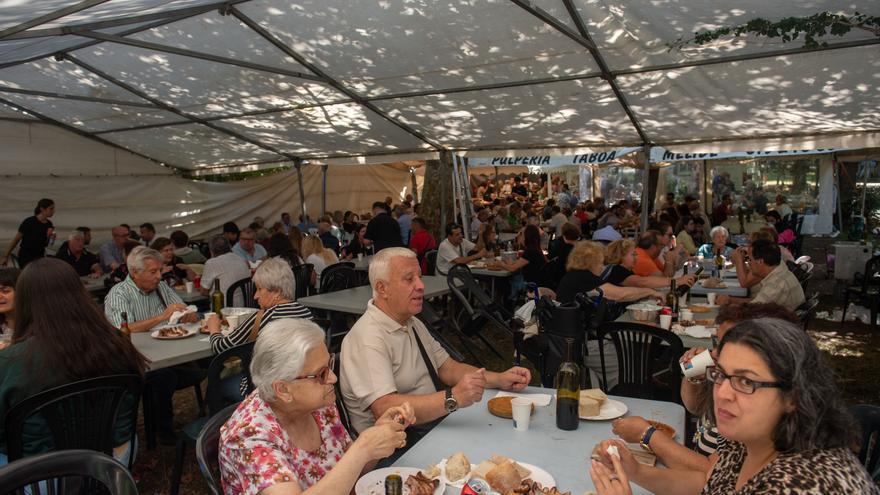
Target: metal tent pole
(323,189)
(646,186)
(302,195)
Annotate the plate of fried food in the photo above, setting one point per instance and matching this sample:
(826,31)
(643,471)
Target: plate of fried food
(504,475)
(713,283)
(175,332)
(415,482)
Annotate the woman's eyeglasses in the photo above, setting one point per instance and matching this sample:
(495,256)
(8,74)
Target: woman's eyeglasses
(739,383)
(323,375)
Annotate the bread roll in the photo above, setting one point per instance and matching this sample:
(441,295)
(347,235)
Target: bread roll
(457,467)
(595,394)
(503,478)
(588,407)
(500,459)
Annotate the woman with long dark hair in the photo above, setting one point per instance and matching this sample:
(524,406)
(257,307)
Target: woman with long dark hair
(358,244)
(8,277)
(34,233)
(281,247)
(61,336)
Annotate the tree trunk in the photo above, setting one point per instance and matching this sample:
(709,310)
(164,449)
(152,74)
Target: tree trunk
(437,194)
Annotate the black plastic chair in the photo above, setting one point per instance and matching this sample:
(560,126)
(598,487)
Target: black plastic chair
(344,417)
(201,247)
(208,449)
(303,276)
(247,288)
(431,257)
(868,418)
(215,400)
(78,415)
(339,276)
(68,472)
(550,274)
(644,354)
(866,289)
(437,325)
(807,310)
(478,308)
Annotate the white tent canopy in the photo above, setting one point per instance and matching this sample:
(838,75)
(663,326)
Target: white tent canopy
(199,85)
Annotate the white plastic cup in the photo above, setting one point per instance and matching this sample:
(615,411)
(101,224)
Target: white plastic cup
(360,256)
(697,366)
(522,413)
(687,315)
(665,321)
(711,297)
(190,287)
(233,321)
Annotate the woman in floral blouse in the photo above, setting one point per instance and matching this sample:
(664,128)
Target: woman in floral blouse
(286,437)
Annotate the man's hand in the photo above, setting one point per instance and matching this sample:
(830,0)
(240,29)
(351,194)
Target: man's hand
(686,280)
(722,299)
(470,388)
(171,309)
(630,429)
(515,379)
(402,414)
(671,257)
(189,318)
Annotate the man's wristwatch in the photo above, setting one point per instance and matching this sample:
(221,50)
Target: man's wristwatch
(450,404)
(646,439)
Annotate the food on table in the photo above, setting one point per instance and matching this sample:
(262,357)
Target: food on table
(457,467)
(500,459)
(420,484)
(175,331)
(504,478)
(432,471)
(698,308)
(203,325)
(591,401)
(714,283)
(686,323)
(529,487)
(708,322)
(501,407)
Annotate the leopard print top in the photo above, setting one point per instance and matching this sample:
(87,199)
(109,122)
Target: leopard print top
(817,472)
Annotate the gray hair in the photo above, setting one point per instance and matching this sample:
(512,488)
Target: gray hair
(275,275)
(139,255)
(280,352)
(819,419)
(219,245)
(719,228)
(380,264)
(73,235)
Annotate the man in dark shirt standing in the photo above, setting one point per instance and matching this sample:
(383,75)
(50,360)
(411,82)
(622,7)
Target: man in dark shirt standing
(383,230)
(74,252)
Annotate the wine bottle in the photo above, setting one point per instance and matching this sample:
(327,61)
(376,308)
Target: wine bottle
(675,308)
(719,264)
(125,329)
(670,296)
(217,299)
(568,391)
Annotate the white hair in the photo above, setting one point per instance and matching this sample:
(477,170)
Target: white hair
(73,235)
(275,275)
(719,228)
(380,264)
(141,254)
(280,352)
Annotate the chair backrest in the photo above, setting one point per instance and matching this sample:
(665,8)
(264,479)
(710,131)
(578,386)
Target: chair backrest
(551,274)
(463,284)
(431,258)
(78,415)
(871,276)
(214,395)
(868,418)
(339,276)
(344,417)
(67,471)
(642,351)
(247,288)
(303,275)
(807,310)
(208,448)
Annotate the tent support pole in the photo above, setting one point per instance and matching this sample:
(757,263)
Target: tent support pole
(704,192)
(323,189)
(415,185)
(51,16)
(297,164)
(646,187)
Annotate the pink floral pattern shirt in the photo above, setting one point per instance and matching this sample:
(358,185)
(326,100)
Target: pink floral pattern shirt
(256,453)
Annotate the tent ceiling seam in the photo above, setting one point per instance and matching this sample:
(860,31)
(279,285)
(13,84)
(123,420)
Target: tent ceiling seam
(86,134)
(607,75)
(164,106)
(65,96)
(51,16)
(548,18)
(327,79)
(195,54)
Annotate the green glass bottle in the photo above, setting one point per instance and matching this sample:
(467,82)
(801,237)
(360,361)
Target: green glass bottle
(568,391)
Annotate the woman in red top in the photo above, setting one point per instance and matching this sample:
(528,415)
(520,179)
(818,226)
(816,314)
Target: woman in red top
(421,241)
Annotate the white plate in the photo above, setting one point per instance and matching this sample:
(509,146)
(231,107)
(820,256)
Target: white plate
(699,331)
(373,483)
(537,474)
(611,409)
(191,329)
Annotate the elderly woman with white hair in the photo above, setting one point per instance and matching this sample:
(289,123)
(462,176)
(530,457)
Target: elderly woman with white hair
(286,437)
(719,237)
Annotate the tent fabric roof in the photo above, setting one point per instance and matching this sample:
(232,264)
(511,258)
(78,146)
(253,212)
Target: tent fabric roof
(203,85)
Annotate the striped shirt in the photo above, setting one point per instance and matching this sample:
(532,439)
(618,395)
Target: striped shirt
(707,439)
(127,297)
(241,335)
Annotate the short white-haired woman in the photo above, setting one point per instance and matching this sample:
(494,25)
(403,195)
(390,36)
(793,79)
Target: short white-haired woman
(286,437)
(719,237)
(276,289)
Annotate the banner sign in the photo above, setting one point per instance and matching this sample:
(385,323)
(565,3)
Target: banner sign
(660,154)
(551,160)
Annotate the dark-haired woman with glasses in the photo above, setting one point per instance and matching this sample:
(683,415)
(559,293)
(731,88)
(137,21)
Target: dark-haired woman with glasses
(777,405)
(286,436)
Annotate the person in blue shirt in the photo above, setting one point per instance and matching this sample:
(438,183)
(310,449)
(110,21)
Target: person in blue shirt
(719,237)
(247,247)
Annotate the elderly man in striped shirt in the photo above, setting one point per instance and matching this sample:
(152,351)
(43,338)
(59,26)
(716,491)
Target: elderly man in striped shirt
(147,302)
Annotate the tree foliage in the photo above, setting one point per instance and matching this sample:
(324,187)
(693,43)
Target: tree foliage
(813,28)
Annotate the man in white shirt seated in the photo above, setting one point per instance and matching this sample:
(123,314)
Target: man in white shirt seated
(389,357)
(225,266)
(247,247)
(454,250)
